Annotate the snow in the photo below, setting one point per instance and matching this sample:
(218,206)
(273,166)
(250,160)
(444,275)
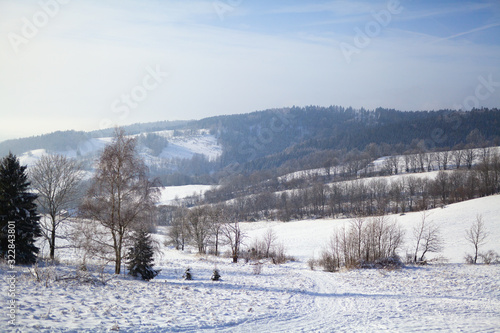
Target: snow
(449,296)
(31,157)
(169,194)
(187,146)
(305,239)
(378,165)
(184,145)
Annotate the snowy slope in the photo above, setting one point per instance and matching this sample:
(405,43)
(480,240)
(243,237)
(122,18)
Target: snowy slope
(169,194)
(305,239)
(287,298)
(378,165)
(183,145)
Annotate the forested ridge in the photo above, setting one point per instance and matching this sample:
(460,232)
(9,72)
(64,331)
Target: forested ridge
(270,139)
(291,139)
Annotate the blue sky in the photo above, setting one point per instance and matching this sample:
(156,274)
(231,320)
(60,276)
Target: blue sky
(84,65)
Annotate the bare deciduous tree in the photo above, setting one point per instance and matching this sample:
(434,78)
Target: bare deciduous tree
(458,156)
(234,236)
(445,158)
(56,179)
(270,239)
(178,232)
(120,197)
(219,215)
(477,235)
(469,156)
(199,227)
(427,237)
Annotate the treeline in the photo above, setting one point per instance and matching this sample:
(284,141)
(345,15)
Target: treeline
(212,227)
(328,194)
(56,141)
(279,138)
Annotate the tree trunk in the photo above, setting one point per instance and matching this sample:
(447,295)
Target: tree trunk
(53,238)
(118,262)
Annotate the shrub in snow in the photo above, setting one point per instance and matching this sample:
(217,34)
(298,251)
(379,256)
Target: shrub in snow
(490,257)
(187,274)
(476,235)
(393,262)
(311,262)
(215,275)
(469,259)
(140,256)
(329,262)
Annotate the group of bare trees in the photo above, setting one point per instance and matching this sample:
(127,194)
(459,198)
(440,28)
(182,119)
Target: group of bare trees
(120,200)
(422,160)
(208,228)
(376,241)
(362,242)
(372,196)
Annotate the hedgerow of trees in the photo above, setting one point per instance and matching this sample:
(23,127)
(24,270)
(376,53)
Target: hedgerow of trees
(341,192)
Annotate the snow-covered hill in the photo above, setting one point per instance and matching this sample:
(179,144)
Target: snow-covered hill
(432,161)
(305,239)
(181,144)
(285,298)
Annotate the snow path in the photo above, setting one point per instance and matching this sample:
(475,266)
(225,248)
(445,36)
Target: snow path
(433,298)
(286,298)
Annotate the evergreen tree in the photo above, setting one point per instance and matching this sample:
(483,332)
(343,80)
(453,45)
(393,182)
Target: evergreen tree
(187,274)
(140,256)
(17,204)
(215,275)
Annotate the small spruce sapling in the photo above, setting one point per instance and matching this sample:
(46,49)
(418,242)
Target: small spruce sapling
(187,274)
(215,275)
(140,256)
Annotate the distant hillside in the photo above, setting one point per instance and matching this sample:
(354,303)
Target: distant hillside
(283,140)
(68,140)
(294,136)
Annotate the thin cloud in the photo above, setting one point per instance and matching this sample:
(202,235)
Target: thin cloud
(418,14)
(485,27)
(337,7)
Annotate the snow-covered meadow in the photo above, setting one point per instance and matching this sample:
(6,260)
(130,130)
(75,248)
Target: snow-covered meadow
(447,296)
(287,298)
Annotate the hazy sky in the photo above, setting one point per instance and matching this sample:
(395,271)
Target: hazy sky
(87,64)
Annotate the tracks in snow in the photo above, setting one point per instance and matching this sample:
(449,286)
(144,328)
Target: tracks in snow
(310,308)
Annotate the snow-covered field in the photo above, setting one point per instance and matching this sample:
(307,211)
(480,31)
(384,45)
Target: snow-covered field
(169,194)
(305,239)
(287,298)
